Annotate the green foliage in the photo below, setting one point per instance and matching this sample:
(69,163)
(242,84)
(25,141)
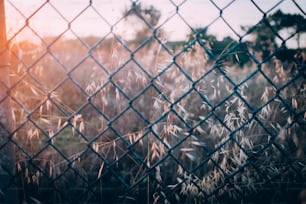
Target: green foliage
(282,20)
(266,32)
(264,41)
(238,54)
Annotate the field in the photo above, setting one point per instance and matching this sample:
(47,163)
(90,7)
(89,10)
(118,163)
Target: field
(99,123)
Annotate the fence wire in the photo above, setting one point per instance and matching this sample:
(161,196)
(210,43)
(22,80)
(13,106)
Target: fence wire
(138,119)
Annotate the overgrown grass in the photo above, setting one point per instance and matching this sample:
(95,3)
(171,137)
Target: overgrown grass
(175,129)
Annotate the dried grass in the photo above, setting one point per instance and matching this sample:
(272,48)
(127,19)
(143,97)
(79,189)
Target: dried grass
(227,141)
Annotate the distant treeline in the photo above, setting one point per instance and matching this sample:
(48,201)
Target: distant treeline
(266,41)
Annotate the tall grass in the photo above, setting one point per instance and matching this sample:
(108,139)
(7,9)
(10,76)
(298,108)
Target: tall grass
(174,129)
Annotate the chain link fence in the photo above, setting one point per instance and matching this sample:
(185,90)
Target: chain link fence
(129,117)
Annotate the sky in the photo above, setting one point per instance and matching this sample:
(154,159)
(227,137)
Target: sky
(54,17)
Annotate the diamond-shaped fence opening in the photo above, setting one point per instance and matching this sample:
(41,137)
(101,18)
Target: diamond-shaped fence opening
(152,102)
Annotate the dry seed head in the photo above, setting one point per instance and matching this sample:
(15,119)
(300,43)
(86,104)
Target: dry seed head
(81,126)
(131,138)
(51,134)
(265,95)
(95,146)
(41,110)
(18,167)
(100,170)
(117,94)
(157,173)
(294,103)
(166,143)
(139,137)
(154,151)
(161,149)
(179,171)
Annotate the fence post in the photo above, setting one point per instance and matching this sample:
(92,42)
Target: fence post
(6,154)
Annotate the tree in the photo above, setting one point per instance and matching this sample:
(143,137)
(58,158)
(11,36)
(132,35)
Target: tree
(266,31)
(294,22)
(145,16)
(264,40)
(217,47)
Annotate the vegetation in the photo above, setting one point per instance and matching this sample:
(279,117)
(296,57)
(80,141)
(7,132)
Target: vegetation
(264,44)
(94,124)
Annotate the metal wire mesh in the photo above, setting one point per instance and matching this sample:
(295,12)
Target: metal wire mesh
(110,119)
